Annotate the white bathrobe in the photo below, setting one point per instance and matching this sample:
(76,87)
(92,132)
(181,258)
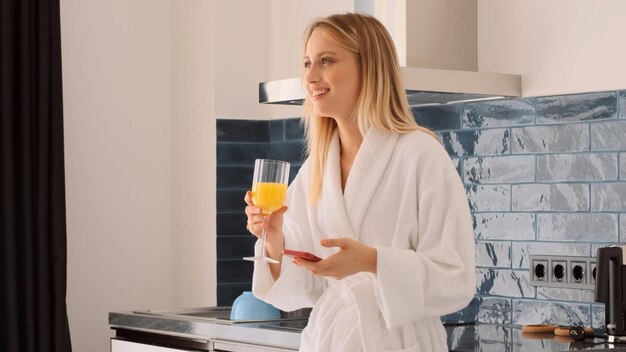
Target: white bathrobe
(404,197)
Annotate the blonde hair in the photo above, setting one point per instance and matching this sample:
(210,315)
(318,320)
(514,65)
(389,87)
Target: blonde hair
(382,102)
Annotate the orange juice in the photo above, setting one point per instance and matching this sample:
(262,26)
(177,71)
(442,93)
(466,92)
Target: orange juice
(269,196)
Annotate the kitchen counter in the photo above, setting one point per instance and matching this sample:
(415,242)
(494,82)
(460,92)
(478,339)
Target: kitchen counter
(145,326)
(489,337)
(285,335)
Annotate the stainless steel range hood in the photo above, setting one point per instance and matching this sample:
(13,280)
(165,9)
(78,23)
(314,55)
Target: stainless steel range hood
(423,87)
(436,42)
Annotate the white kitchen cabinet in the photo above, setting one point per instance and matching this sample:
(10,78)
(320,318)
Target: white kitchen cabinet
(559,46)
(215,345)
(126,346)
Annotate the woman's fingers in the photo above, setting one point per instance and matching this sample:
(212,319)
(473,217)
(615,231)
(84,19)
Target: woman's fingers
(318,268)
(248,198)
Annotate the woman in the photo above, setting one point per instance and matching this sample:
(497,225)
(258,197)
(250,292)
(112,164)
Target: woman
(378,197)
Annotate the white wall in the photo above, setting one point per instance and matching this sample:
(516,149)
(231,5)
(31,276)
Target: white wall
(558,46)
(193,153)
(143,83)
(242,56)
(139,148)
(287,22)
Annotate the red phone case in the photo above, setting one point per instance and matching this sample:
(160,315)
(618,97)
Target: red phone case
(302,255)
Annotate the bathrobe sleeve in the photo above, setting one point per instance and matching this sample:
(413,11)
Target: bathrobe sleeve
(296,287)
(438,276)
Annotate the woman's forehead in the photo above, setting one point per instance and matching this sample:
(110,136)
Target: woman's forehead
(327,35)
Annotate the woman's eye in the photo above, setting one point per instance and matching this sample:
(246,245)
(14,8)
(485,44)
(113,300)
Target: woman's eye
(307,64)
(326,60)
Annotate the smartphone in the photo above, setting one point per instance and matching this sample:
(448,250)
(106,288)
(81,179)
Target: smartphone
(302,255)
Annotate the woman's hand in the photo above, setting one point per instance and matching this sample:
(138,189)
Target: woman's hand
(353,257)
(274,235)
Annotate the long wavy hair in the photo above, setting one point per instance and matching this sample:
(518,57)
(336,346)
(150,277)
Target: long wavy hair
(382,102)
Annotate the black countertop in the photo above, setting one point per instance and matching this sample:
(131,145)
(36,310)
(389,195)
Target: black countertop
(502,338)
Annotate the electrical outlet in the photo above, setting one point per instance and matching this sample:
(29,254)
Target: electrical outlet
(562,271)
(559,271)
(592,272)
(540,270)
(578,273)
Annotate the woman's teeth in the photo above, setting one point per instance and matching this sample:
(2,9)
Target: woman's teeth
(317,92)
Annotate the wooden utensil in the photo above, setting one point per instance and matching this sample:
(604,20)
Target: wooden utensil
(539,329)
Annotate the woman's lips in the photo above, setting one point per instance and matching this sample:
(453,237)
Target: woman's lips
(318,93)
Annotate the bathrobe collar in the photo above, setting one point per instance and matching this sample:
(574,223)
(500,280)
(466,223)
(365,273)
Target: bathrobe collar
(346,210)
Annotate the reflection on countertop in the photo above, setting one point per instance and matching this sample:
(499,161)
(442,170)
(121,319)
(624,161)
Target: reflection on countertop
(501,338)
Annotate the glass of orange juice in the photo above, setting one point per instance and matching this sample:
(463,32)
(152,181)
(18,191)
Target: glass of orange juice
(269,190)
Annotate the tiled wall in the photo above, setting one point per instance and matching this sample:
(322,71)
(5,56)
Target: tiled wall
(543,176)
(239,142)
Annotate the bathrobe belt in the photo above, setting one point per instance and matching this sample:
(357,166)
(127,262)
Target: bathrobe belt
(359,290)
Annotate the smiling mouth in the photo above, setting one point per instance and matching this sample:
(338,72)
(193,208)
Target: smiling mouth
(319,92)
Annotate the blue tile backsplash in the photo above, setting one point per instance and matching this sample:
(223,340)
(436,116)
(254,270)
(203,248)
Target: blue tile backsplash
(239,142)
(543,175)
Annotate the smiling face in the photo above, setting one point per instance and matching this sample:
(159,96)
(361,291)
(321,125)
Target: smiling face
(331,77)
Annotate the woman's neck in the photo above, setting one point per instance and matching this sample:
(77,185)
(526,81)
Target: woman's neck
(350,139)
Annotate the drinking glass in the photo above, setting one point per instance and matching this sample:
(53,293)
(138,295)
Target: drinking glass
(269,190)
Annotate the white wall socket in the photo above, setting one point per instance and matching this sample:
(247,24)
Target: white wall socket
(562,271)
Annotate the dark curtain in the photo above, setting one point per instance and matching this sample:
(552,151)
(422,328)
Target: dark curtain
(33,250)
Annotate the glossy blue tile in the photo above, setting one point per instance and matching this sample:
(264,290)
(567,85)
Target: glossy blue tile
(500,169)
(503,282)
(277,131)
(622,103)
(242,154)
(292,152)
(546,139)
(547,312)
(228,292)
(234,270)
(465,315)
(498,113)
(577,227)
(494,310)
(598,316)
(495,254)
(230,201)
(504,226)
(242,130)
(437,118)
(565,294)
(610,196)
(561,197)
(293,171)
(293,130)
(239,177)
(229,224)
(476,143)
(577,167)
(608,135)
(576,107)
(488,197)
(235,247)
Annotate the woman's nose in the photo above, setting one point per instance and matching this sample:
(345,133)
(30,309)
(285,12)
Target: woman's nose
(311,75)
